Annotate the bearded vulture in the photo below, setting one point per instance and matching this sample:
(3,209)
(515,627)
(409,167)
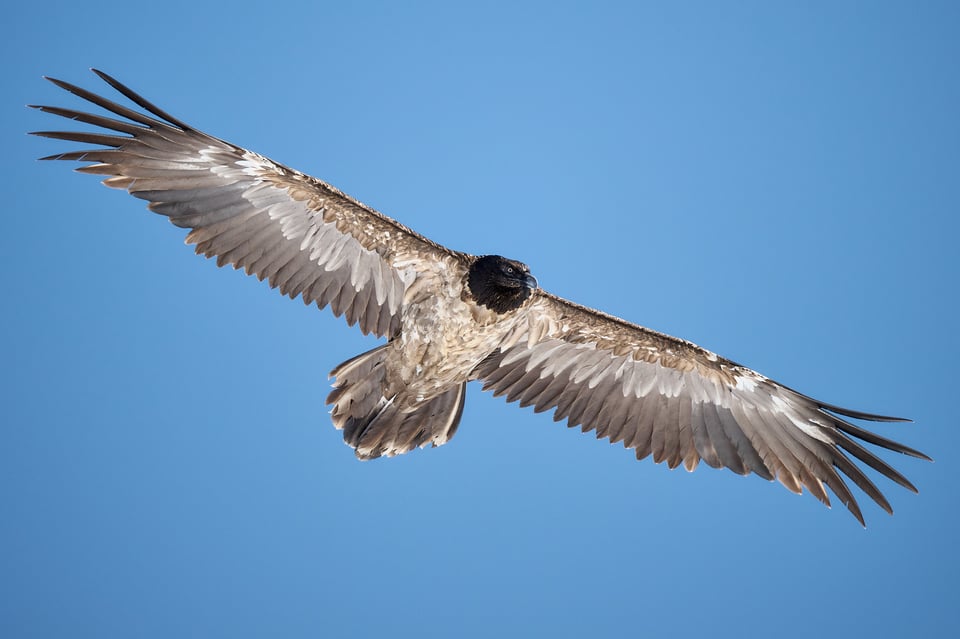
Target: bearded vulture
(451,317)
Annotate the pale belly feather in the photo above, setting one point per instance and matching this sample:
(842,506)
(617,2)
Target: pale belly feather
(442,339)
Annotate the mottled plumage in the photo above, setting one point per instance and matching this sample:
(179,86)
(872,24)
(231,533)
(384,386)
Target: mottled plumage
(450,317)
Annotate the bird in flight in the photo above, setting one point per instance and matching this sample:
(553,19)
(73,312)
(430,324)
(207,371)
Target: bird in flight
(450,318)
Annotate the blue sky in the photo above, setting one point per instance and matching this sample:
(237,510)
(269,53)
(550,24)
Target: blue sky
(777,182)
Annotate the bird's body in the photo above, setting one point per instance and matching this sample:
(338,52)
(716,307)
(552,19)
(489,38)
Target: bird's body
(440,337)
(450,317)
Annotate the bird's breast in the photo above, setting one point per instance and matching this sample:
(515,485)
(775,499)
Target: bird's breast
(442,339)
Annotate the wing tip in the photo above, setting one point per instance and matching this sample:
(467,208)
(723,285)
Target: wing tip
(106,77)
(854,509)
(847,412)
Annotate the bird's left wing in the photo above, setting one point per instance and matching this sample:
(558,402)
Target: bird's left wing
(302,235)
(681,403)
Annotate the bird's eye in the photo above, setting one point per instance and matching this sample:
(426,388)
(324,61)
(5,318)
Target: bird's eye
(510,270)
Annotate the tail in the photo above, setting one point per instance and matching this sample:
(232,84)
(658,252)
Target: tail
(370,422)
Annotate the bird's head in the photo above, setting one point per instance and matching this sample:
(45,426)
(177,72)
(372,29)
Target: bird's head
(500,284)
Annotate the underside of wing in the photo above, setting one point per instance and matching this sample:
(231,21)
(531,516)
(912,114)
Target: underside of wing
(671,399)
(300,234)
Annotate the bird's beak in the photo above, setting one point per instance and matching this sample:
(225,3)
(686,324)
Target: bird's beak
(531,282)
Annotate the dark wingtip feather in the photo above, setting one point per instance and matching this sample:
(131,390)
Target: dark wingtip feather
(854,509)
(66,86)
(873,438)
(875,462)
(140,101)
(870,417)
(851,505)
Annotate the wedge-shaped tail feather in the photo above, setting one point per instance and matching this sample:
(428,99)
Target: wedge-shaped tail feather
(373,425)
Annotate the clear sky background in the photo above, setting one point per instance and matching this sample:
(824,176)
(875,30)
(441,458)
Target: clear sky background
(777,181)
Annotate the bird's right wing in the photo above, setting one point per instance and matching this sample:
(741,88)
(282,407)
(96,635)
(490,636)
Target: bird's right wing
(680,403)
(304,236)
